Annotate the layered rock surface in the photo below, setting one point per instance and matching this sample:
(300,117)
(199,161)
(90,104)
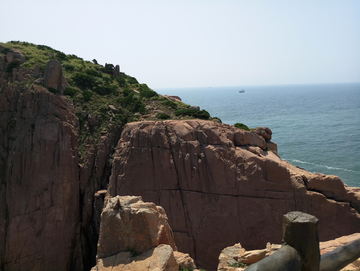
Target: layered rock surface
(135,235)
(39,192)
(219,185)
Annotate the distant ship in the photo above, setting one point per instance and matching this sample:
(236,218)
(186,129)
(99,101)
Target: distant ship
(242,91)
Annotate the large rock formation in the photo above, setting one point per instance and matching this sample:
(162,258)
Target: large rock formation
(46,184)
(219,186)
(135,235)
(128,223)
(39,192)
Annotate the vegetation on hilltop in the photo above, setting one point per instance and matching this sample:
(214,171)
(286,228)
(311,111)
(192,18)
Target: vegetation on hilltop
(93,88)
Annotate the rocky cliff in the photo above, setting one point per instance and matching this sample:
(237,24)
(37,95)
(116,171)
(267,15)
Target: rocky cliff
(39,193)
(220,185)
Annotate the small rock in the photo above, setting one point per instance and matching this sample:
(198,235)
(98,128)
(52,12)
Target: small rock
(254,256)
(39,81)
(112,107)
(184,260)
(197,108)
(265,132)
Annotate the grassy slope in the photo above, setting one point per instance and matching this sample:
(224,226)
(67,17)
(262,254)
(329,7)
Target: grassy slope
(93,88)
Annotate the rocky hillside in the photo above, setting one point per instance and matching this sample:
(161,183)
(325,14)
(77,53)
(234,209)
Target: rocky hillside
(59,123)
(61,119)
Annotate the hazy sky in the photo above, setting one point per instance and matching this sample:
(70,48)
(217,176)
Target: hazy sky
(199,43)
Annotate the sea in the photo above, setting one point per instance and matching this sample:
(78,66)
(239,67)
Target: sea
(316,127)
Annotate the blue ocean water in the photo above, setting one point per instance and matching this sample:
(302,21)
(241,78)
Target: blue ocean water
(316,127)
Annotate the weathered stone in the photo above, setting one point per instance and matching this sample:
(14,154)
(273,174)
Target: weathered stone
(184,260)
(173,98)
(242,137)
(139,226)
(15,56)
(197,108)
(230,256)
(206,179)
(53,76)
(160,258)
(254,256)
(37,71)
(265,132)
(271,146)
(39,199)
(112,108)
(117,71)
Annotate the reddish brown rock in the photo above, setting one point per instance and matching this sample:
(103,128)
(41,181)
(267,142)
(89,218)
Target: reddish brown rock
(265,132)
(173,98)
(160,258)
(216,192)
(53,76)
(128,223)
(15,56)
(39,192)
(130,226)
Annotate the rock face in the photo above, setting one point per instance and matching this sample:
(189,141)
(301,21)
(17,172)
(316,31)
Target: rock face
(130,227)
(39,192)
(219,186)
(128,223)
(53,76)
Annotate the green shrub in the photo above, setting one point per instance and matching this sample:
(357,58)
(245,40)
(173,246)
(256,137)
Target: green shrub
(87,94)
(132,80)
(69,67)
(70,91)
(83,80)
(60,56)
(121,81)
(10,67)
(92,72)
(103,89)
(163,116)
(241,126)
(52,90)
(169,103)
(203,114)
(5,50)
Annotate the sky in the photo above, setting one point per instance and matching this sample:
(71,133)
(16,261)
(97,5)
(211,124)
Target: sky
(199,43)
